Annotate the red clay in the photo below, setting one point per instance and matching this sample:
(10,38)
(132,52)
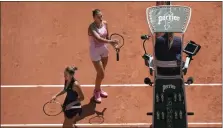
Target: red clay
(40,38)
(124,105)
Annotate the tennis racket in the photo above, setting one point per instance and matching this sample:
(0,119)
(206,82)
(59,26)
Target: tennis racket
(120,40)
(52,108)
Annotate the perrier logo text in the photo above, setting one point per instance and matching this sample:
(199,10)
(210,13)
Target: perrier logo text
(168,18)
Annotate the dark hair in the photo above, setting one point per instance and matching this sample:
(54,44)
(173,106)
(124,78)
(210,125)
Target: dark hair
(71,70)
(95,12)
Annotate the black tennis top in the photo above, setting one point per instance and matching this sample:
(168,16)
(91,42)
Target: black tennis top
(71,95)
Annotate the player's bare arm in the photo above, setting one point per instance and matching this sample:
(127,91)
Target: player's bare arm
(106,23)
(78,89)
(59,94)
(114,44)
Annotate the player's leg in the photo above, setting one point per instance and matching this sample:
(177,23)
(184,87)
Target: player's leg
(68,120)
(99,77)
(104,56)
(98,65)
(70,117)
(77,116)
(104,60)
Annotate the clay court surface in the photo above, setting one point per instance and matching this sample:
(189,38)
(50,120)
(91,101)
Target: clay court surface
(39,39)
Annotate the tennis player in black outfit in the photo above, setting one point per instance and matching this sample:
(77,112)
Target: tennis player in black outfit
(73,98)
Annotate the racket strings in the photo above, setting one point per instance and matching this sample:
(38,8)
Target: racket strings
(119,44)
(52,108)
(119,39)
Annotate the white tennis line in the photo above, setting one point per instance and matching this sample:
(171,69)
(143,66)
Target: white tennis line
(91,85)
(101,125)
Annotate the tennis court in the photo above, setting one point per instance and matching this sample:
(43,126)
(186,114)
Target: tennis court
(40,39)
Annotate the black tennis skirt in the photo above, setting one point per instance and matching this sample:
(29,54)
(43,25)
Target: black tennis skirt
(72,112)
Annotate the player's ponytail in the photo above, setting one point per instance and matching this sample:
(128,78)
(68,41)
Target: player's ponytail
(74,68)
(71,70)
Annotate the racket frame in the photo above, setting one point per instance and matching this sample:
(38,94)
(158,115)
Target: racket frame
(49,102)
(118,49)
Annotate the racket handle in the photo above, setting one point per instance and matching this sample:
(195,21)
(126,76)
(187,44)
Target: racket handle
(117,56)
